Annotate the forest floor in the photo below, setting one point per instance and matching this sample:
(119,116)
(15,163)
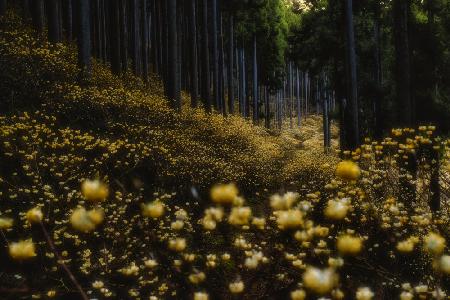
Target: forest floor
(125,189)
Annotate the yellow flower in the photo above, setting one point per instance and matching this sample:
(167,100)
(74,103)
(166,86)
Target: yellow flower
(406,296)
(240,215)
(153,210)
(336,209)
(177,245)
(349,245)
(94,190)
(34,215)
(298,295)
(86,221)
(348,170)
(289,219)
(224,193)
(6,223)
(201,296)
(364,294)
(434,244)
(197,278)
(444,264)
(236,287)
(319,281)
(22,250)
(407,245)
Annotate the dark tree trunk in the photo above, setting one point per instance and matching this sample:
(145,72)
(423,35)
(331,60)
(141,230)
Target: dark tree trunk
(134,15)
(205,58)
(266,108)
(54,35)
(2,7)
(173,82)
(84,36)
(114,25)
(255,82)
(153,37)
(144,30)
(215,54)
(378,124)
(193,52)
(221,62)
(403,62)
(351,112)
(231,64)
(123,35)
(67,18)
(299,107)
(37,15)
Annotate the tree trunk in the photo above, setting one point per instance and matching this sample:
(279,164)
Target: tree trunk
(114,25)
(403,62)
(205,58)
(231,64)
(172,80)
(84,36)
(215,55)
(67,18)
(378,123)
(266,107)
(134,15)
(193,52)
(123,35)
(221,62)
(255,82)
(351,121)
(37,15)
(2,7)
(53,21)
(144,31)
(299,106)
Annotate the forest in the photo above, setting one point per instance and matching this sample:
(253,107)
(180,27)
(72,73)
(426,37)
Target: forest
(225,149)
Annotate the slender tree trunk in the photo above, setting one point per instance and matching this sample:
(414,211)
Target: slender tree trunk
(53,21)
(123,35)
(114,26)
(173,83)
(255,82)
(231,64)
(84,36)
(378,72)
(2,7)
(403,62)
(134,15)
(205,58)
(266,107)
(37,15)
(299,106)
(67,18)
(215,55)
(352,126)
(144,30)
(193,52)
(223,108)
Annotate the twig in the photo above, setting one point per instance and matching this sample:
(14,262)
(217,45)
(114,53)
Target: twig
(62,264)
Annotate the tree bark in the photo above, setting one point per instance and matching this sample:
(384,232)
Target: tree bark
(2,7)
(215,55)
(37,15)
(84,37)
(134,15)
(231,64)
(352,126)
(255,82)
(402,62)
(205,58)
(54,35)
(173,82)
(193,52)
(144,39)
(67,19)
(378,123)
(114,25)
